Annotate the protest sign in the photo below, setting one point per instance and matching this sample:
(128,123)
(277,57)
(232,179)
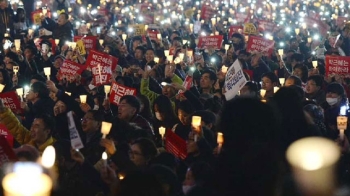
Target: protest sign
(5,132)
(214,41)
(316,24)
(118,91)
(6,152)
(11,101)
(175,145)
(234,80)
(249,28)
(187,83)
(242,17)
(101,65)
(152,34)
(36,16)
(90,43)
(69,70)
(75,139)
(267,26)
(138,29)
(337,65)
(207,12)
(259,44)
(235,29)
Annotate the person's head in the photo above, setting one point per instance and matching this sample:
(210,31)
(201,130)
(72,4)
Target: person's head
(335,94)
(184,111)
(139,52)
(21,13)
(296,58)
(208,79)
(29,52)
(41,129)
(10,57)
(199,173)
(293,42)
(4,77)
(314,84)
(3,4)
(293,80)
(250,89)
(142,151)
(58,61)
(163,110)
(128,107)
(174,34)
(137,41)
(301,71)
(269,81)
(238,41)
(177,42)
(91,122)
(62,19)
(169,91)
(59,108)
(37,78)
(38,90)
(27,153)
(149,55)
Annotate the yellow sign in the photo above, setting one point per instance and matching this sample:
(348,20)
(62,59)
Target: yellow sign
(37,18)
(81,47)
(249,28)
(138,29)
(189,13)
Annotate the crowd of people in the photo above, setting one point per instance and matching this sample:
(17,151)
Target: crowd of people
(258,125)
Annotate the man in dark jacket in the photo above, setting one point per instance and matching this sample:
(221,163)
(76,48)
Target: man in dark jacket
(6,18)
(62,30)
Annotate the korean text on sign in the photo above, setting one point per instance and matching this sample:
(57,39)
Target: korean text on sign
(210,41)
(118,91)
(337,65)
(259,44)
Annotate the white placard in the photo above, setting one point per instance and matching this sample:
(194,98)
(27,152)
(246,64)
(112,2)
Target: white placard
(234,80)
(75,139)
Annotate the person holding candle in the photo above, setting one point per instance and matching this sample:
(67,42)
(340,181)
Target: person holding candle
(250,89)
(313,89)
(30,66)
(62,30)
(259,67)
(269,81)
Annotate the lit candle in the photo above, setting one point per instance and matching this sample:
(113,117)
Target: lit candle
(220,140)
(342,122)
(297,31)
(227,46)
(49,157)
(6,35)
(124,36)
(213,21)
(189,53)
(275,89)
(181,56)
(166,53)
(18,44)
(57,41)
(224,69)
(146,27)
(262,93)
(88,25)
(104,159)
(68,93)
(30,32)
(105,128)
(159,36)
(282,80)
(47,71)
(20,93)
(156,59)
(44,11)
(314,64)
(107,89)
(196,121)
(313,161)
(2,87)
(280,52)
(309,39)
(184,42)
(162,131)
(15,69)
(83,98)
(191,27)
(74,45)
(101,41)
(170,58)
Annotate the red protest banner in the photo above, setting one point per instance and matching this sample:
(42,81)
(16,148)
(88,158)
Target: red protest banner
(5,132)
(90,42)
(259,44)
(265,25)
(187,83)
(6,152)
(338,65)
(101,65)
(207,12)
(317,24)
(175,145)
(147,13)
(69,70)
(11,101)
(243,17)
(235,29)
(118,91)
(152,34)
(214,41)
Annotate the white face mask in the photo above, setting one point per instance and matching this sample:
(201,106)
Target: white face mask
(158,116)
(186,188)
(332,101)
